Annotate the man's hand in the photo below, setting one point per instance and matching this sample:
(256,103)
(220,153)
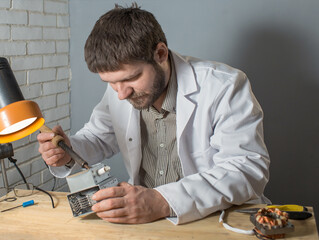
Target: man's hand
(130,204)
(53,156)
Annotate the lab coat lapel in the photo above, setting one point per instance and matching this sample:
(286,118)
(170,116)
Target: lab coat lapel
(185,107)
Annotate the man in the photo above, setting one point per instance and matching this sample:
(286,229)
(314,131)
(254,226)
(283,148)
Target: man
(190,131)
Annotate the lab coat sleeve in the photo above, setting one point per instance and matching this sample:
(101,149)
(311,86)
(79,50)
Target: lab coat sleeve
(95,141)
(240,159)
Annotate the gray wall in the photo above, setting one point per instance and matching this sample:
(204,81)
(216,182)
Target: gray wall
(275,42)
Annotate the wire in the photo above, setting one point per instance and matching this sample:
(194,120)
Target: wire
(52,202)
(237,230)
(54,178)
(12,160)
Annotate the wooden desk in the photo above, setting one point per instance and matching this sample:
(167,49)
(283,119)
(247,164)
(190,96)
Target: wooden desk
(41,221)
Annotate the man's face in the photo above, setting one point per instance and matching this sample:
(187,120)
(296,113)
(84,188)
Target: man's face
(140,83)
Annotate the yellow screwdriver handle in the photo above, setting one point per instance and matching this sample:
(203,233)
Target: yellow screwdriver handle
(291,208)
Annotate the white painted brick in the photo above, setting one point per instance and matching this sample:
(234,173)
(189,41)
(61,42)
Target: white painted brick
(64,188)
(13,17)
(61,182)
(63,21)
(35,179)
(37,19)
(40,47)
(32,91)
(19,143)
(42,75)
(63,73)
(46,102)
(46,175)
(12,48)
(33,136)
(4,32)
(55,33)
(32,5)
(62,46)
(28,62)
(65,123)
(26,33)
(21,77)
(25,169)
(56,7)
(55,60)
(14,177)
(26,153)
(47,186)
(57,113)
(37,165)
(63,98)
(50,30)
(4,3)
(55,87)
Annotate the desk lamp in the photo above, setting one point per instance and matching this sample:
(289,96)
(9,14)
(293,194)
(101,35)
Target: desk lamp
(19,118)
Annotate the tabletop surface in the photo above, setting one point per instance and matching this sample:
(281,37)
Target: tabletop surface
(41,221)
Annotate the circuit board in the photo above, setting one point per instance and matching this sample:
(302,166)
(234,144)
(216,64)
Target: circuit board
(81,201)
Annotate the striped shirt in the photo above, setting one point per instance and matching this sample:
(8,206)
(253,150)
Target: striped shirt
(160,162)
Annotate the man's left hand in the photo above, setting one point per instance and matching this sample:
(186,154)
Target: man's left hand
(130,204)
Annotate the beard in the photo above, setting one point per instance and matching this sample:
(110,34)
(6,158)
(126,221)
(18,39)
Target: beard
(144,100)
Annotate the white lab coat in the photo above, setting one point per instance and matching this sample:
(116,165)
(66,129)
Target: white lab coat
(219,139)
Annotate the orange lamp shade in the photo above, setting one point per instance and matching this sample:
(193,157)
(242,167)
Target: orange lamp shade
(19,119)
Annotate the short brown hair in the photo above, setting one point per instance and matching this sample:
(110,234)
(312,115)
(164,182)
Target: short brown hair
(122,36)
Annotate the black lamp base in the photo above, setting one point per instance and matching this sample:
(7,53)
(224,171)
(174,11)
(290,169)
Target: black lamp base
(6,151)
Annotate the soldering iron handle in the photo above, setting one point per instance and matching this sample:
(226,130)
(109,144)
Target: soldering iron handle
(73,155)
(56,139)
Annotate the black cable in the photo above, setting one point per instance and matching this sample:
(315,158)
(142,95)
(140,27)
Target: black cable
(52,202)
(12,160)
(54,178)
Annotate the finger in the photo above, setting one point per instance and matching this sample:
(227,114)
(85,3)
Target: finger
(44,137)
(108,204)
(47,146)
(110,192)
(115,213)
(124,184)
(54,160)
(52,151)
(124,219)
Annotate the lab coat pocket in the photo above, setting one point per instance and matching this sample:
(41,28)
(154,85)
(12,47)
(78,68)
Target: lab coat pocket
(203,160)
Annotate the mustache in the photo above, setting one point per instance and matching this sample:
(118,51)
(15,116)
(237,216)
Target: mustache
(136,95)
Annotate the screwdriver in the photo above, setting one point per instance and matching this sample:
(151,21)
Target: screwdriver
(25,204)
(58,141)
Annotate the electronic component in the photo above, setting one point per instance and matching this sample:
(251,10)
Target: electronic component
(84,184)
(81,202)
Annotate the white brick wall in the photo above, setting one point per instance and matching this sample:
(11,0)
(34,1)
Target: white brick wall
(34,37)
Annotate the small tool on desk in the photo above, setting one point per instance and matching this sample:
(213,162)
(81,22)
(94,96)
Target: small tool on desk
(25,204)
(58,141)
(295,212)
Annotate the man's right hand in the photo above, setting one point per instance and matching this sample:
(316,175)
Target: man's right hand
(53,156)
